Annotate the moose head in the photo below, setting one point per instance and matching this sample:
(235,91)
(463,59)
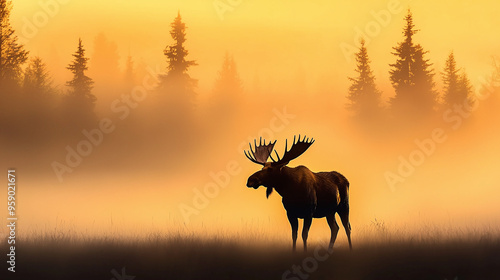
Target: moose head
(270,175)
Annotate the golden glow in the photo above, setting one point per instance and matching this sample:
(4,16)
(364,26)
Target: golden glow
(289,54)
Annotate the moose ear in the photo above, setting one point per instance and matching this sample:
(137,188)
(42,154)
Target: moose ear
(281,167)
(269,191)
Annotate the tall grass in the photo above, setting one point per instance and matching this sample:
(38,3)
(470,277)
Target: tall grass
(381,251)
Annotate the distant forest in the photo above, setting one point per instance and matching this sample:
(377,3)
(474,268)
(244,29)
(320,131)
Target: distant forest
(412,78)
(33,110)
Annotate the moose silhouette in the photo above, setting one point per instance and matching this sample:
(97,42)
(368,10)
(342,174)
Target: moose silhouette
(306,194)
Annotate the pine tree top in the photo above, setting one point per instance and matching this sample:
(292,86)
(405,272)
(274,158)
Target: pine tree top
(81,85)
(409,29)
(177,75)
(411,75)
(80,61)
(363,96)
(450,73)
(176,53)
(457,87)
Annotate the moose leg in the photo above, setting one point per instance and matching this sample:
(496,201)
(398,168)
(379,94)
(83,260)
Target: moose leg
(305,231)
(295,227)
(333,227)
(344,216)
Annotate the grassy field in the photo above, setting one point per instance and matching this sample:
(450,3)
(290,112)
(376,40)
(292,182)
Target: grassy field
(163,257)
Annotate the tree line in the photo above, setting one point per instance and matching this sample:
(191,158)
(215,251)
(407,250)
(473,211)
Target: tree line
(26,86)
(28,91)
(412,78)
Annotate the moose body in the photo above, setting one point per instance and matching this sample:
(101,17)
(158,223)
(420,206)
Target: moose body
(306,194)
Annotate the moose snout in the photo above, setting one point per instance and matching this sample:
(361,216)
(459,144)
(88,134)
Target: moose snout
(253,182)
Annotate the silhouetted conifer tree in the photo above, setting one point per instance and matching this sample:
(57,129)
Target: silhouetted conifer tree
(37,82)
(457,87)
(363,96)
(450,79)
(38,102)
(177,85)
(12,54)
(79,103)
(81,85)
(411,76)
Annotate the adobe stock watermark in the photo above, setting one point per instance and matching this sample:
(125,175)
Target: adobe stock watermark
(308,266)
(223,6)
(122,107)
(220,180)
(425,148)
(48,10)
(11,218)
(371,29)
(122,276)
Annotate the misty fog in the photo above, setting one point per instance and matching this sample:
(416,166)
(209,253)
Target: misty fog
(144,164)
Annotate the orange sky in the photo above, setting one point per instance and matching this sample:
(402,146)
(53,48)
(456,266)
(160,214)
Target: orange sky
(282,38)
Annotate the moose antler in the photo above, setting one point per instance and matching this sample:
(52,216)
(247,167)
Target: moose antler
(262,152)
(298,148)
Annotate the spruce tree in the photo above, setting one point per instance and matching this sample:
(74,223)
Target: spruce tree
(363,96)
(177,79)
(38,99)
(411,76)
(12,54)
(450,80)
(81,85)
(424,84)
(401,75)
(37,82)
(457,87)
